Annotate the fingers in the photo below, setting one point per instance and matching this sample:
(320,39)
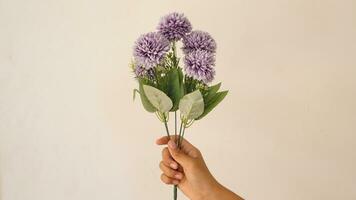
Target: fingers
(169,172)
(165,139)
(184,156)
(178,155)
(169,181)
(168,160)
(185,145)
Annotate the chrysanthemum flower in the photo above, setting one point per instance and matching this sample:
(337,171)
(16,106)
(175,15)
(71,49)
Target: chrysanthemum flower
(150,49)
(199,65)
(174,26)
(198,40)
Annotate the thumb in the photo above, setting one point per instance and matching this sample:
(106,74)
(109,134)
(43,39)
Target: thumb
(180,156)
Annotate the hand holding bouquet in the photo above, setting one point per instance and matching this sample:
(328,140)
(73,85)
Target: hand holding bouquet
(164,86)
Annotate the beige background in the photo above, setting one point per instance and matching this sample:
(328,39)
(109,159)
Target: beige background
(70,130)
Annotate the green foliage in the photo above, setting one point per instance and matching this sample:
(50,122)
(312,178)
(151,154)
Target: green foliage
(175,88)
(212,102)
(144,100)
(158,99)
(191,106)
(211,91)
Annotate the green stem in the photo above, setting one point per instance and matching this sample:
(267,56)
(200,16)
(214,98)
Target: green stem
(175,61)
(167,131)
(180,134)
(175,192)
(179,142)
(165,124)
(175,125)
(181,138)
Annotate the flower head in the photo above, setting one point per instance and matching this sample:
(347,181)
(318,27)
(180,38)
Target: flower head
(198,40)
(174,26)
(140,71)
(150,49)
(199,65)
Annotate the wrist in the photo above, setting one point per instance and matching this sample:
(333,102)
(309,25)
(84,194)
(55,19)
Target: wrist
(211,191)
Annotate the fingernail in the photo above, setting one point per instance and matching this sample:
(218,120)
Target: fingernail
(178,176)
(171,144)
(173,165)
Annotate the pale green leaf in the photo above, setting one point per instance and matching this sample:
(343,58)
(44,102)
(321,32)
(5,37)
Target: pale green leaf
(191,106)
(145,102)
(158,99)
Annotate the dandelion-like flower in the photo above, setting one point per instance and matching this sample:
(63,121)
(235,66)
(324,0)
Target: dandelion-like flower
(198,40)
(199,65)
(174,26)
(150,49)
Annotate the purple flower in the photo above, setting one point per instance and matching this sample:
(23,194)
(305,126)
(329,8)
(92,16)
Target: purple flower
(174,26)
(150,49)
(198,40)
(199,65)
(140,71)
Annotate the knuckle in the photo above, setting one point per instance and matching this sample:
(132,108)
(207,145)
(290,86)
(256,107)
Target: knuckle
(166,162)
(164,151)
(164,179)
(161,165)
(169,172)
(166,170)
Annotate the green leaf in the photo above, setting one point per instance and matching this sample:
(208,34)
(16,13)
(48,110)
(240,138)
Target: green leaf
(144,100)
(134,93)
(191,105)
(158,99)
(212,90)
(181,82)
(215,100)
(190,85)
(162,82)
(175,87)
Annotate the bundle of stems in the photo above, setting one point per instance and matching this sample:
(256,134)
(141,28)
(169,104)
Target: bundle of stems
(178,137)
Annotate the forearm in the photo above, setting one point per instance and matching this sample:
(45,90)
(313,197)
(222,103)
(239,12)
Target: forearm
(226,194)
(219,192)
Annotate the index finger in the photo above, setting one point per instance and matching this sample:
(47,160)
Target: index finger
(185,145)
(165,139)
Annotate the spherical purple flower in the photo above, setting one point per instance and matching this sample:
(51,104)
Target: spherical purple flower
(198,40)
(174,26)
(150,49)
(199,65)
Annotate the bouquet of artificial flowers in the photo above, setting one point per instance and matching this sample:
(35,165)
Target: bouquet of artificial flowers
(164,86)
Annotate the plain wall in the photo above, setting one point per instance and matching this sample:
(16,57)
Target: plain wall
(69,128)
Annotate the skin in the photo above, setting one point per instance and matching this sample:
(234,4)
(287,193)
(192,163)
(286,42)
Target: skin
(186,168)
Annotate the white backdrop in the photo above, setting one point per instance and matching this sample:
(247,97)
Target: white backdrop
(70,130)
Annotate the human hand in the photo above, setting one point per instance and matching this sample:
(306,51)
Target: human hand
(186,168)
